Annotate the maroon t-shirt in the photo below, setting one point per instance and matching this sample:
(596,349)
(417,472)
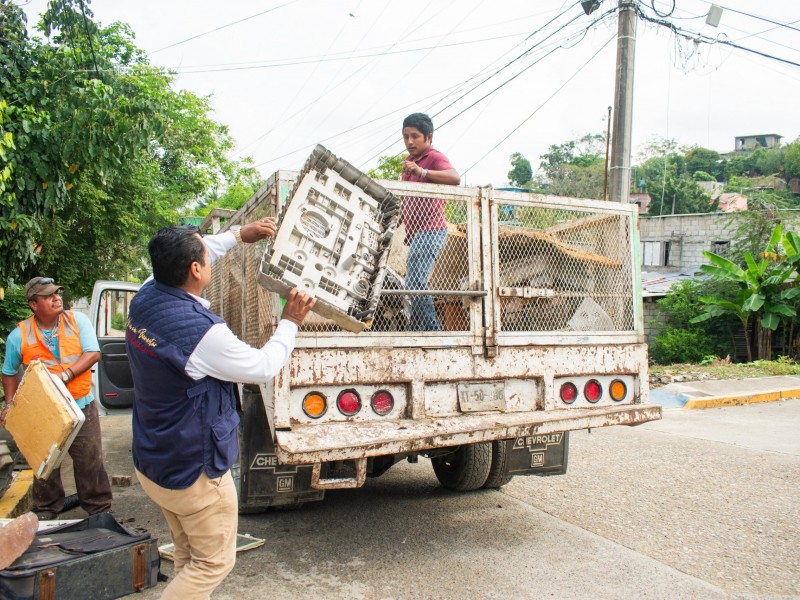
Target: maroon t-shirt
(425,214)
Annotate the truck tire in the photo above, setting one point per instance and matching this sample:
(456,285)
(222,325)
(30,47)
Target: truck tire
(498,472)
(466,469)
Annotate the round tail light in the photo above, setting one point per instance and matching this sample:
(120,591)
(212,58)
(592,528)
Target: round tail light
(593,390)
(315,405)
(349,402)
(382,402)
(618,390)
(568,393)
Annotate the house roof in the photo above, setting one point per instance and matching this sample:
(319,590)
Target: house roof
(657,284)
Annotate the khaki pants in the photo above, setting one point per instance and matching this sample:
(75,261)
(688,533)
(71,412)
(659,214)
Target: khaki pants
(203,520)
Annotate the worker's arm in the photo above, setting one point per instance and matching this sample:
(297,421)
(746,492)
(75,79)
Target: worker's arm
(447,176)
(10,385)
(85,362)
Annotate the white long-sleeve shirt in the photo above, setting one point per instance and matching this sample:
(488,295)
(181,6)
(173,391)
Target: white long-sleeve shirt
(220,354)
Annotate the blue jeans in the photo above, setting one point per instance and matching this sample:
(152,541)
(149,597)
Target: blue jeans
(422,254)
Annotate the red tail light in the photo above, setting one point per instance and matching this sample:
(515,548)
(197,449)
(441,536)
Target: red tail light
(382,402)
(593,390)
(349,402)
(568,393)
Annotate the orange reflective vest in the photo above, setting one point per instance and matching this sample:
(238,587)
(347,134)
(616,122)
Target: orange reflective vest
(69,347)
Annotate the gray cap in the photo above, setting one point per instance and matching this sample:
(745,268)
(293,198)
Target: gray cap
(41,286)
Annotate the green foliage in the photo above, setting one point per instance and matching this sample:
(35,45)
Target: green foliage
(582,152)
(679,307)
(521,172)
(389,167)
(680,196)
(791,160)
(699,159)
(104,153)
(13,309)
(575,168)
(764,293)
(675,345)
(702,176)
(118,321)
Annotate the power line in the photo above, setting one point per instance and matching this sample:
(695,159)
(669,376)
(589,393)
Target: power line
(538,108)
(746,14)
(699,37)
(194,37)
(510,79)
(332,58)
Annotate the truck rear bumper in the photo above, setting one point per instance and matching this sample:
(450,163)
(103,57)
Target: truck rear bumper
(325,442)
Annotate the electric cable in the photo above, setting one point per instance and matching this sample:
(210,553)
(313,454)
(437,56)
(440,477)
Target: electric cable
(199,35)
(538,108)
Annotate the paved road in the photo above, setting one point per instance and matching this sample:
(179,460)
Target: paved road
(700,505)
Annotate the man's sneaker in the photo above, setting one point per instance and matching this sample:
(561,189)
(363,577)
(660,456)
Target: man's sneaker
(46,515)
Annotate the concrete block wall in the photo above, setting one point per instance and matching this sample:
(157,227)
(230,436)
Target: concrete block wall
(650,314)
(690,235)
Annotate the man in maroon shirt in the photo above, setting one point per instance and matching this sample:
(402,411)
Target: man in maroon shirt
(426,228)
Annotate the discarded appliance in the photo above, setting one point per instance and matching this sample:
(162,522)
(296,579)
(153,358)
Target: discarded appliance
(43,419)
(333,241)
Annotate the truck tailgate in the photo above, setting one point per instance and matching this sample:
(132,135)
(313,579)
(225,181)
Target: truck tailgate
(324,442)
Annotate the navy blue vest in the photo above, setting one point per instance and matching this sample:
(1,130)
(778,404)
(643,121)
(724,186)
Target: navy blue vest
(181,427)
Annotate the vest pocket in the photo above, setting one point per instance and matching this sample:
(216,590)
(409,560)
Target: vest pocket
(225,441)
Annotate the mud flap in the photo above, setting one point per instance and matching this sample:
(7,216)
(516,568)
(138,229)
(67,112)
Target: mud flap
(263,481)
(539,454)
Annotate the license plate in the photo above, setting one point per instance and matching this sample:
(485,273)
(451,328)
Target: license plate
(482,396)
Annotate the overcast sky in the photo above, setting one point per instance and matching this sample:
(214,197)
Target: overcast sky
(497,77)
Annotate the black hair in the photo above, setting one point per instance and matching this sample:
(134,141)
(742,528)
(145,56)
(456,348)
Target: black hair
(421,121)
(172,251)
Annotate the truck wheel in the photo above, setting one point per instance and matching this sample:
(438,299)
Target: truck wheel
(464,470)
(498,472)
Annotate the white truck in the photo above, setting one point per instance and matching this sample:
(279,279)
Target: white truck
(539,300)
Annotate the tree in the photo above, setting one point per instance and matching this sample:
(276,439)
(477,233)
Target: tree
(582,152)
(791,160)
(521,172)
(703,160)
(105,151)
(576,168)
(389,167)
(677,195)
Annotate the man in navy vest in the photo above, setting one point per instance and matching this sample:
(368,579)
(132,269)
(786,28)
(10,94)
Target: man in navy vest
(184,360)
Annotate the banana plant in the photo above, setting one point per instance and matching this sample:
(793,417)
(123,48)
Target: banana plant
(763,289)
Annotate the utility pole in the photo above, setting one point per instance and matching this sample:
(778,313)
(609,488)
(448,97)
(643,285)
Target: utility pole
(620,175)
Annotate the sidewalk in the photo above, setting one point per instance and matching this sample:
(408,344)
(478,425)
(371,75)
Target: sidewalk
(726,392)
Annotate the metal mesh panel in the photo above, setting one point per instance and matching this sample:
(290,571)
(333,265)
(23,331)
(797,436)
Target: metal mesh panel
(234,293)
(563,270)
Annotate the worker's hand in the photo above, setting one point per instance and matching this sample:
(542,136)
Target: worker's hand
(298,303)
(3,415)
(412,168)
(258,230)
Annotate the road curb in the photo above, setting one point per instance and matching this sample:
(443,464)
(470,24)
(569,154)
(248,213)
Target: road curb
(720,401)
(17,498)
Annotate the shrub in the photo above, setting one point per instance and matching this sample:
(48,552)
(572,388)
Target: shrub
(677,345)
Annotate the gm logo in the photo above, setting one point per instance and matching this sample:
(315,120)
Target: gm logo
(285,483)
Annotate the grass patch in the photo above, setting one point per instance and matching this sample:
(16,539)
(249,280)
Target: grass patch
(724,369)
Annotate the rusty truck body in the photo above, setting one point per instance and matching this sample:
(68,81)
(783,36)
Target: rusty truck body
(539,301)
